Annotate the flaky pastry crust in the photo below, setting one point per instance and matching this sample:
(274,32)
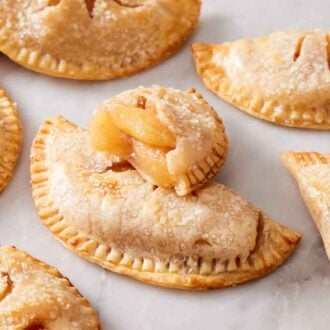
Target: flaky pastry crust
(312,172)
(34,295)
(10,138)
(283,78)
(108,39)
(201,142)
(210,239)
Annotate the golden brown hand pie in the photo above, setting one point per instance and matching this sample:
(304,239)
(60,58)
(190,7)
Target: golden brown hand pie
(35,296)
(173,139)
(99,39)
(283,78)
(10,138)
(312,172)
(113,217)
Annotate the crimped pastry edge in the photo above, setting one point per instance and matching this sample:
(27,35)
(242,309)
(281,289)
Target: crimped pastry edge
(13,139)
(293,160)
(205,170)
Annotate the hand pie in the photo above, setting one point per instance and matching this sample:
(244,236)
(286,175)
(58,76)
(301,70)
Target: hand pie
(173,139)
(10,138)
(283,78)
(94,39)
(35,296)
(312,172)
(113,217)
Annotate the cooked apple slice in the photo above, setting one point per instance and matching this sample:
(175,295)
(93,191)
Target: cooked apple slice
(107,137)
(142,125)
(151,163)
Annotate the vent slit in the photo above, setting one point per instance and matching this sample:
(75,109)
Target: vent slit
(298,49)
(127,3)
(35,326)
(8,288)
(327,38)
(52,3)
(89,5)
(141,102)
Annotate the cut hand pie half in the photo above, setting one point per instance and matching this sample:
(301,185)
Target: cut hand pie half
(113,217)
(35,296)
(283,78)
(173,139)
(312,172)
(94,39)
(10,138)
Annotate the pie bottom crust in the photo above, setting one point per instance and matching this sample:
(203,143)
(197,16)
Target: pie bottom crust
(81,300)
(274,243)
(10,138)
(216,80)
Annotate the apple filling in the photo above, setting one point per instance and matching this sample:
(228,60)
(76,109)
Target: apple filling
(136,135)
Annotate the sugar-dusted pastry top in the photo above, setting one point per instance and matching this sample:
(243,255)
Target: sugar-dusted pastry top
(10,138)
(312,172)
(120,209)
(34,295)
(283,78)
(177,139)
(102,209)
(94,39)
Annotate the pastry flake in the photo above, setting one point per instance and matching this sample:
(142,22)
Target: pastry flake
(312,172)
(174,139)
(283,78)
(209,239)
(99,39)
(10,138)
(34,295)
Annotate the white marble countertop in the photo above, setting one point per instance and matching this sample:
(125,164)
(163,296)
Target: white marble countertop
(296,296)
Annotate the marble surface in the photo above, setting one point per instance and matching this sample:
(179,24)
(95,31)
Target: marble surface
(296,296)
